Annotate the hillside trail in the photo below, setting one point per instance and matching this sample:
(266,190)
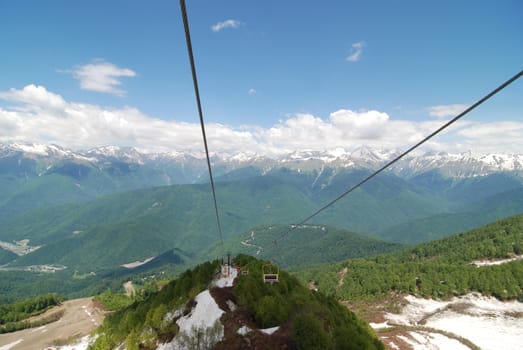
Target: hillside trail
(248,243)
(80,317)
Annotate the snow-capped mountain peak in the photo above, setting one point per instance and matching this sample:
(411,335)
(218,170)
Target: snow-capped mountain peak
(458,165)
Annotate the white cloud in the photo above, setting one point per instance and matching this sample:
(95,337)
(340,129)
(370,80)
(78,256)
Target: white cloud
(356,51)
(230,23)
(506,136)
(347,129)
(35,97)
(251,92)
(35,114)
(102,76)
(444,111)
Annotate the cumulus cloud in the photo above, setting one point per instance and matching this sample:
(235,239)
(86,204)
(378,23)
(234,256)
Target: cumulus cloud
(347,129)
(507,136)
(35,114)
(230,23)
(102,76)
(444,111)
(356,51)
(34,97)
(38,115)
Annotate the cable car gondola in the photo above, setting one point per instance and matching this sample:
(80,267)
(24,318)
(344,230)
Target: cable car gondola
(270,273)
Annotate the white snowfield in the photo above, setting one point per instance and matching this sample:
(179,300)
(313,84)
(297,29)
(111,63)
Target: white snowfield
(485,321)
(204,315)
(431,341)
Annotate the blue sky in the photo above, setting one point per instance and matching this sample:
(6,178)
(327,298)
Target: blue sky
(275,76)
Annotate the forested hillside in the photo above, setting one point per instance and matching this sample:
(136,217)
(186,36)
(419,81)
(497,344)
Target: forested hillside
(439,269)
(293,246)
(303,246)
(140,224)
(89,241)
(479,212)
(306,319)
(14,317)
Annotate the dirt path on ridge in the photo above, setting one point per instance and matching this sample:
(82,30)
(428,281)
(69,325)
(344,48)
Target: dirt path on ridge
(80,317)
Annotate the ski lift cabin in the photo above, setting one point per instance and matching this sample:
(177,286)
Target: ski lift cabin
(271,274)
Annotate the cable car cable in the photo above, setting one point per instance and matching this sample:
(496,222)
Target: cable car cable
(351,189)
(440,129)
(200,113)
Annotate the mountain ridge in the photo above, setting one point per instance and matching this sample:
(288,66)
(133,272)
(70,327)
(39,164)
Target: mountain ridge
(459,165)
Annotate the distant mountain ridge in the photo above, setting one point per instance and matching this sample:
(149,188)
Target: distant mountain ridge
(462,165)
(66,201)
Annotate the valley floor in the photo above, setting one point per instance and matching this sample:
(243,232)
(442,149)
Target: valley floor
(468,322)
(81,316)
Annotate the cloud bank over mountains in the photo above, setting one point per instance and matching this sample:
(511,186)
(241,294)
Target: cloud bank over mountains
(35,114)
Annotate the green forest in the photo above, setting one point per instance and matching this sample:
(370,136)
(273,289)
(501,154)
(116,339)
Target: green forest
(305,245)
(13,316)
(314,321)
(439,269)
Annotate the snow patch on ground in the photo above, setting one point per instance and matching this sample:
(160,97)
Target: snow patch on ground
(11,345)
(232,306)
(204,315)
(416,310)
(394,346)
(244,330)
(226,281)
(487,322)
(203,322)
(270,330)
(488,332)
(379,325)
(435,341)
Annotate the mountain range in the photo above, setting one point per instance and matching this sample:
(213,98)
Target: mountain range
(56,175)
(190,167)
(102,208)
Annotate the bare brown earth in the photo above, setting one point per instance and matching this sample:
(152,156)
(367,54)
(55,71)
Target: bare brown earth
(235,319)
(80,317)
(374,312)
